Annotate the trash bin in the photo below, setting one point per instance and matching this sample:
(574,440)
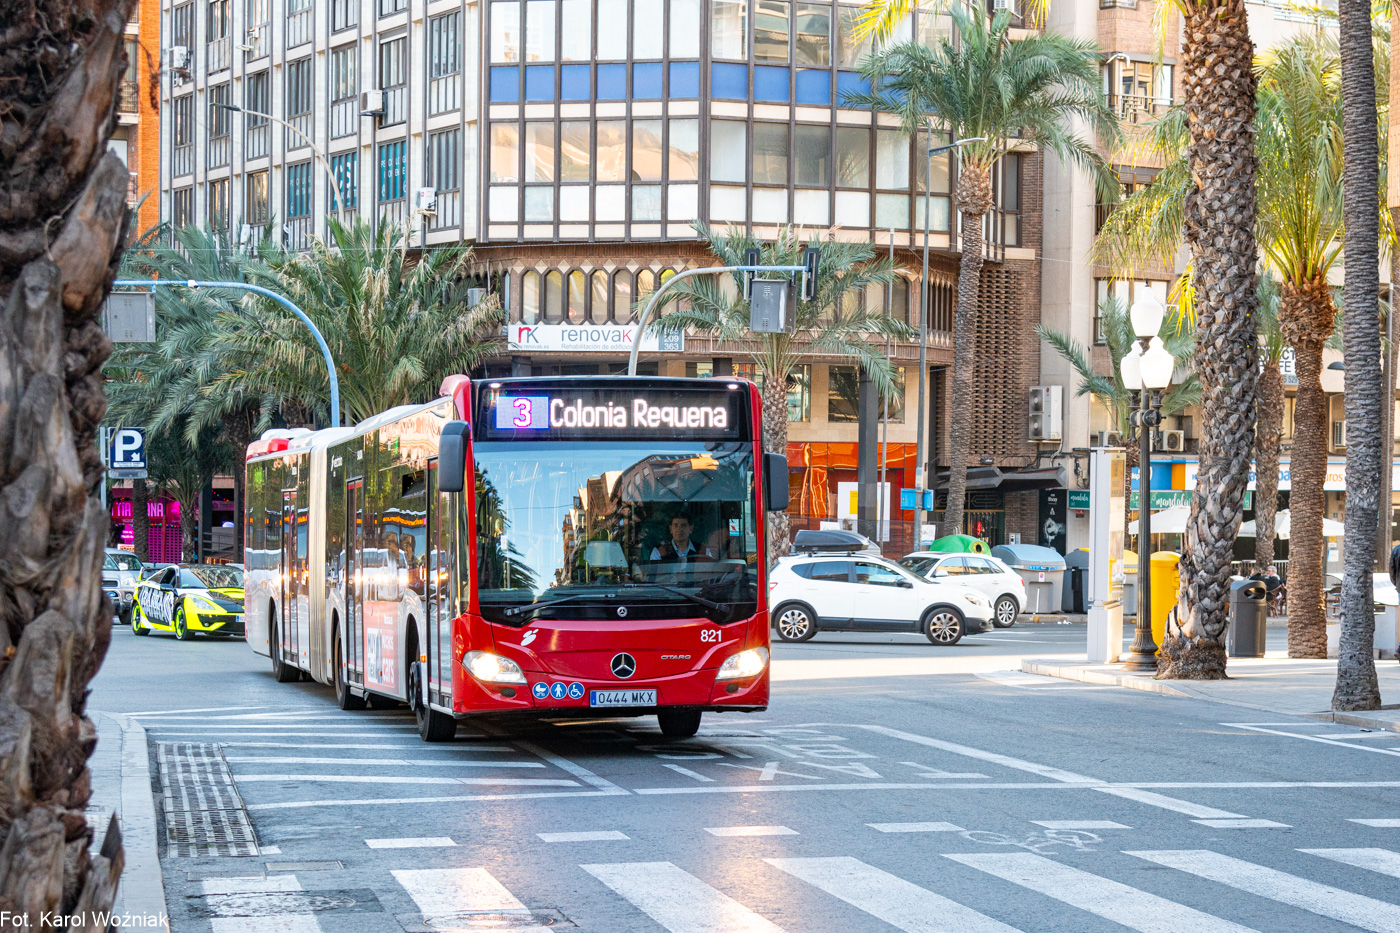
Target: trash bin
(1042,568)
(1166,581)
(1248,618)
(1077,580)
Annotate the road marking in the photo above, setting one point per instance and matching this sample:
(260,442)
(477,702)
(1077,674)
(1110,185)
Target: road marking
(1323,900)
(1170,803)
(915,827)
(421,842)
(1378,824)
(250,885)
(206,709)
(1080,824)
(441,892)
(1311,738)
(388,762)
(689,773)
(389,779)
(415,745)
(578,771)
(250,727)
(1383,861)
(766,772)
(602,835)
(930,772)
(750,831)
(678,900)
(269,850)
(1046,771)
(414,801)
(1242,824)
(1120,903)
(328,735)
(888,897)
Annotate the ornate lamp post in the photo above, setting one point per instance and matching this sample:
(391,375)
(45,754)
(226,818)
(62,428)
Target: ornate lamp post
(1146,370)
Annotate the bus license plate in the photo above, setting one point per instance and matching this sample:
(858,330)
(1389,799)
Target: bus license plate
(622,698)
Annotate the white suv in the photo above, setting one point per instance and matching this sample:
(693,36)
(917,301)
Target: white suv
(1002,586)
(856,593)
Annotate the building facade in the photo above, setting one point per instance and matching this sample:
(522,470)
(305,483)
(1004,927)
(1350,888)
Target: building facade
(136,139)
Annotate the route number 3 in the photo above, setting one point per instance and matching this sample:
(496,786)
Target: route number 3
(709,634)
(522,418)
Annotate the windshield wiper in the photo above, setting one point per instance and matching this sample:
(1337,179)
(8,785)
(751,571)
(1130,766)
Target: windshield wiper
(700,600)
(535,607)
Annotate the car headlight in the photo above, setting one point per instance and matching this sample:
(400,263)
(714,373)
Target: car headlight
(747,663)
(203,605)
(492,668)
(975,600)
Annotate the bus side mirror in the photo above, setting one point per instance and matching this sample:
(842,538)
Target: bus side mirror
(775,483)
(452,457)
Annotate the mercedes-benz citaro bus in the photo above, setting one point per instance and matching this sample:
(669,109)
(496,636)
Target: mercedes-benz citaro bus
(555,547)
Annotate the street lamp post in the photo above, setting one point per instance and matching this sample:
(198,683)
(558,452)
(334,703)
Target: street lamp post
(1146,370)
(320,157)
(920,468)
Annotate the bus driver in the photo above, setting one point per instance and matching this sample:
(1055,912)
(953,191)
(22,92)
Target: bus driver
(680,549)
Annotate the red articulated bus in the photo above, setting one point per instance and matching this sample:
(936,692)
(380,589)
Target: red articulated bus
(575,546)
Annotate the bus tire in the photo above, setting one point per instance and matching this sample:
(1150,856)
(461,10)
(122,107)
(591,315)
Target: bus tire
(433,725)
(679,723)
(344,697)
(282,672)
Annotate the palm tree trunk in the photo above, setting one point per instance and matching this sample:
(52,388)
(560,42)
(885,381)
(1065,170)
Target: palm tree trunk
(974,200)
(1356,668)
(63,213)
(1267,431)
(1306,315)
(141,519)
(239,428)
(1218,59)
(775,434)
(189,526)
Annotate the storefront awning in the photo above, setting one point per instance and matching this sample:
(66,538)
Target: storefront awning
(990,477)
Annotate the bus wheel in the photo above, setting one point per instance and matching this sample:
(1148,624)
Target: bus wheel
(282,672)
(344,698)
(679,723)
(433,725)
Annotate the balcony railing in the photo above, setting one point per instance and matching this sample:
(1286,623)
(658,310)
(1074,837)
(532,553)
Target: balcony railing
(298,28)
(396,212)
(449,211)
(302,122)
(257,43)
(183,160)
(257,142)
(218,54)
(218,151)
(128,97)
(296,233)
(1137,108)
(345,118)
(395,106)
(133,189)
(445,93)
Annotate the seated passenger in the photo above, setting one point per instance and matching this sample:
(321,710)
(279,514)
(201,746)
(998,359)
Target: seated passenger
(680,549)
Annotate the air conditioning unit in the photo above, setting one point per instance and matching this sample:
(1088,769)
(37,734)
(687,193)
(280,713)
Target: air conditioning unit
(1108,439)
(371,103)
(246,236)
(1171,441)
(1339,434)
(1008,6)
(179,57)
(425,201)
(1047,415)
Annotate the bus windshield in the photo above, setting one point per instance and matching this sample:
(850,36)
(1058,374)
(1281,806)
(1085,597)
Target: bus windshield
(604,531)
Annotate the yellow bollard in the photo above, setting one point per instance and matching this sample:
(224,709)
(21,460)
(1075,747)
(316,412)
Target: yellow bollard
(1166,580)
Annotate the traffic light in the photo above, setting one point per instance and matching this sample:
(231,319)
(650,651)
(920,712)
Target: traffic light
(752,257)
(811,258)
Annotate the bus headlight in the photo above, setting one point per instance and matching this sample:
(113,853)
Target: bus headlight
(492,668)
(748,663)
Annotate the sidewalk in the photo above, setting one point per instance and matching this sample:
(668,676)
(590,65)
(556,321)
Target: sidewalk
(121,784)
(1274,683)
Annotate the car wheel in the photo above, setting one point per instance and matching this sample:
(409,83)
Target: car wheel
(679,723)
(1005,612)
(179,624)
(344,698)
(795,623)
(944,626)
(138,621)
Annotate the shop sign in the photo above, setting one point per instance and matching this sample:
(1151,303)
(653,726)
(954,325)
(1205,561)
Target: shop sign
(1080,499)
(571,338)
(1334,481)
(1173,498)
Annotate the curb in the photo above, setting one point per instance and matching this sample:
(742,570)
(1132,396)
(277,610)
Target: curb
(1351,719)
(1080,673)
(141,892)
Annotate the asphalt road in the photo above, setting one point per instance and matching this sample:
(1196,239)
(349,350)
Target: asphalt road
(890,786)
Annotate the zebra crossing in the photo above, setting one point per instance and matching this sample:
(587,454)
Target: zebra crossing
(704,898)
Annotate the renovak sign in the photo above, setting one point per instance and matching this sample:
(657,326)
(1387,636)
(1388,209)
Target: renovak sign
(585,338)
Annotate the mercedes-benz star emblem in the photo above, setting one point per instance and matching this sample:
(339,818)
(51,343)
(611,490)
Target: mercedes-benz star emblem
(623,666)
(622,612)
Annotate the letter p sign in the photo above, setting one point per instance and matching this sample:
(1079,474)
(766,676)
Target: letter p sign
(128,451)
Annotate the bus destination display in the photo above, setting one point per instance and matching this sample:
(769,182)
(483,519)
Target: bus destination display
(539,413)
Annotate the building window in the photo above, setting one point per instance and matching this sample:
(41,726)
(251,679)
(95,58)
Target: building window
(851,51)
(299,22)
(393,171)
(445,176)
(182,30)
(685,28)
(182,207)
(812,156)
(259,19)
(300,94)
(217,195)
(1137,90)
(647,151)
(390,7)
(1121,4)
(1009,204)
(217,46)
(345,85)
(539,30)
(770,30)
(622,297)
(812,31)
(729,29)
(799,393)
(530,298)
(345,167)
(648,29)
(576,33)
(728,151)
(257,98)
(578,298)
(393,79)
(1121,293)
(218,121)
(298,179)
(770,154)
(257,204)
(445,62)
(505,31)
(182,134)
(612,36)
(575,151)
(345,14)
(552,309)
(598,297)
(610,161)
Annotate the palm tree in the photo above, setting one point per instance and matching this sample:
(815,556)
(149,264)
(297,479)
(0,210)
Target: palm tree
(396,324)
(1356,670)
(991,90)
(831,326)
(1268,425)
(1298,144)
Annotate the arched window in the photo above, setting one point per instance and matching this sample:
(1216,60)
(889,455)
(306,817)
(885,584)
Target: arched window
(578,297)
(622,297)
(900,308)
(503,281)
(553,296)
(598,300)
(646,285)
(673,303)
(530,298)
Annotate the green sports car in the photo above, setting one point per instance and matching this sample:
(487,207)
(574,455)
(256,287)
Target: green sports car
(190,598)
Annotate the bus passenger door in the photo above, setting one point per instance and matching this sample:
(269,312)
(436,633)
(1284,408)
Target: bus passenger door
(354,590)
(291,570)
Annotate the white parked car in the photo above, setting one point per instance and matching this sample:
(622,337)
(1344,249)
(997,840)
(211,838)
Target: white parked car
(981,572)
(857,593)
